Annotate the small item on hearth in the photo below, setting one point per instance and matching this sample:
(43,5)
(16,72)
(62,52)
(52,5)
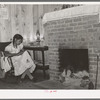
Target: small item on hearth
(86,83)
(62,76)
(85,73)
(64,73)
(81,74)
(68,73)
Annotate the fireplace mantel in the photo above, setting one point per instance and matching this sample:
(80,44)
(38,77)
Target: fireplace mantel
(72,12)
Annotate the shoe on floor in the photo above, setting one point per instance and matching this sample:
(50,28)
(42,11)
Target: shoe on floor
(33,80)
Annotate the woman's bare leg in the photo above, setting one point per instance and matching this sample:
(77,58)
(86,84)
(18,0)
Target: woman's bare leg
(27,73)
(23,75)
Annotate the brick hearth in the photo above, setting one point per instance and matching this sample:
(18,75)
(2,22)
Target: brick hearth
(73,28)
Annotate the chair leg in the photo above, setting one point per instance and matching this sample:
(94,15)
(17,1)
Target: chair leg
(44,74)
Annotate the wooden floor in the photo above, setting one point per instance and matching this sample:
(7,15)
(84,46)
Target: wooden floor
(10,83)
(40,83)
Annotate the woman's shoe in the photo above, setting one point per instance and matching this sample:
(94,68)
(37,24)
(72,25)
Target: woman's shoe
(33,80)
(19,79)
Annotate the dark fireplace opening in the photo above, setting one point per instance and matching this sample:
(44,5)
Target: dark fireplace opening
(76,58)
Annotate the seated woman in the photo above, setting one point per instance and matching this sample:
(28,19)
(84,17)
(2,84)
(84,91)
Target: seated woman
(22,62)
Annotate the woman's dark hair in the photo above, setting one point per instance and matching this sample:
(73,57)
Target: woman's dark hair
(17,36)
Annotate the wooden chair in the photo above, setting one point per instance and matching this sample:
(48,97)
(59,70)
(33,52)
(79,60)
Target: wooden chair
(3,45)
(10,73)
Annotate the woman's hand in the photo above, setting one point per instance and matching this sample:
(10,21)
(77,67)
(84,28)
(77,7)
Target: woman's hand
(21,52)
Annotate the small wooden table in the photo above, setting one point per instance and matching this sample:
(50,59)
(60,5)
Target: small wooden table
(39,65)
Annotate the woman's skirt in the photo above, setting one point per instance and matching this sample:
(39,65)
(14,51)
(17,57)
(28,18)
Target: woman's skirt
(20,63)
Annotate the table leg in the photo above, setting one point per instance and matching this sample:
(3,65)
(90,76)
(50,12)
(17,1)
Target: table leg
(34,54)
(43,59)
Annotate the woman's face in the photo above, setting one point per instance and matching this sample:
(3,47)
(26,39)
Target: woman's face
(18,41)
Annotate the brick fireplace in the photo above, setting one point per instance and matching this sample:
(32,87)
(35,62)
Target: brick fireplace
(73,28)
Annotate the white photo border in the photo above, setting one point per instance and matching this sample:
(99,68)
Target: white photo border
(49,94)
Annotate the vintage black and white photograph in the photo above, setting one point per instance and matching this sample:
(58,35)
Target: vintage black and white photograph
(50,46)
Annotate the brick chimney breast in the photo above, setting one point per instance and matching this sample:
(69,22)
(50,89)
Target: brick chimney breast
(73,28)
